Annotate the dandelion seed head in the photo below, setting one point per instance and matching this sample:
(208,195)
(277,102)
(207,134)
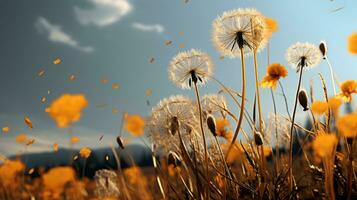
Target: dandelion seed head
(277,131)
(106,182)
(214,104)
(240,28)
(303,54)
(190,63)
(172,114)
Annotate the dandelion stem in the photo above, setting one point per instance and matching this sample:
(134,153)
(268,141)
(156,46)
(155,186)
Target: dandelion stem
(292,129)
(201,127)
(276,132)
(332,76)
(256,72)
(240,119)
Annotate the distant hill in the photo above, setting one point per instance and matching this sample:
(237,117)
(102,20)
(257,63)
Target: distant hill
(138,154)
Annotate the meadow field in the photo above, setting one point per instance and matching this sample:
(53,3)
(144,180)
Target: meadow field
(217,145)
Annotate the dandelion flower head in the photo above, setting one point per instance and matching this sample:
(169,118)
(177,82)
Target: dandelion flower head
(239,29)
(9,171)
(319,107)
(352,43)
(347,125)
(348,88)
(303,55)
(85,152)
(134,124)
(324,144)
(274,72)
(190,67)
(214,104)
(170,115)
(67,109)
(56,179)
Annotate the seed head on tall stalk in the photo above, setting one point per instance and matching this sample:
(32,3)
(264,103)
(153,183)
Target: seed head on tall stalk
(238,33)
(300,56)
(190,69)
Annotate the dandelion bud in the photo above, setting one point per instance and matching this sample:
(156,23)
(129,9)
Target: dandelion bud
(120,142)
(303,99)
(323,49)
(173,159)
(258,139)
(211,123)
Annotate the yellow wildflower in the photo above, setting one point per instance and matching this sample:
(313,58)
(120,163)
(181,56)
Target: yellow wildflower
(9,171)
(274,72)
(334,104)
(56,179)
(352,43)
(21,138)
(348,88)
(135,125)
(67,109)
(324,144)
(347,125)
(319,107)
(85,152)
(74,139)
(5,129)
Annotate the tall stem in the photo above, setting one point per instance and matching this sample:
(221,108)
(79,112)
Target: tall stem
(292,129)
(201,127)
(240,119)
(256,73)
(332,76)
(276,132)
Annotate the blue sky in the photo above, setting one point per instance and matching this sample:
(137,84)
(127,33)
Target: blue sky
(115,39)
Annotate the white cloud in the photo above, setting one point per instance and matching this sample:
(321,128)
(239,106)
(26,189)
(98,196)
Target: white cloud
(56,34)
(158,28)
(104,12)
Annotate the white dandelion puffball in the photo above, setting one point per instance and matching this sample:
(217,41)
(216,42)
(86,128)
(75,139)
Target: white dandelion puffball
(162,124)
(214,104)
(303,55)
(244,28)
(189,67)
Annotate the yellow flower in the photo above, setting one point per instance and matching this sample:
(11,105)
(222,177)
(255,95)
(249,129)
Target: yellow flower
(348,88)
(74,139)
(134,175)
(56,179)
(5,129)
(221,129)
(55,147)
(271,26)
(235,154)
(324,144)
(334,104)
(21,138)
(67,109)
(319,107)
(135,125)
(9,171)
(275,71)
(85,152)
(347,125)
(352,43)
